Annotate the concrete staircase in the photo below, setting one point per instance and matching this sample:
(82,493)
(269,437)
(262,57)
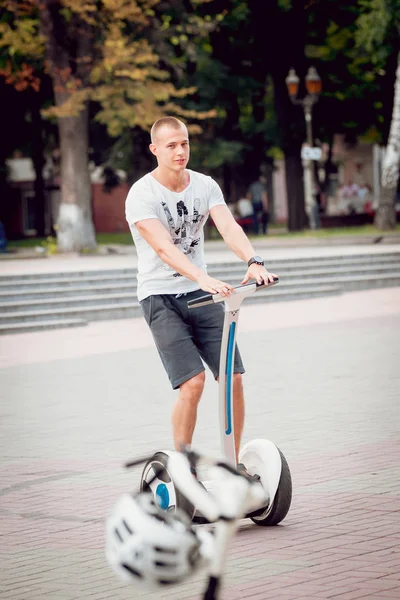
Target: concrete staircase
(48,301)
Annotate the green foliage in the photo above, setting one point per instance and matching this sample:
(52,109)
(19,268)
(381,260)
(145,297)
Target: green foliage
(275,153)
(219,152)
(352,44)
(374,25)
(285,5)
(121,153)
(106,53)
(50,245)
(212,62)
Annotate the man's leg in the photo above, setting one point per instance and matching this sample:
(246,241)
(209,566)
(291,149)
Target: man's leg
(184,415)
(255,221)
(238,411)
(265,219)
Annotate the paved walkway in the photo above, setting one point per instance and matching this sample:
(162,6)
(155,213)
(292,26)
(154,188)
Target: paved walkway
(323,382)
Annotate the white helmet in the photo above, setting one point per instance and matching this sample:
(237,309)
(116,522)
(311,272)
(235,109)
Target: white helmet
(148,545)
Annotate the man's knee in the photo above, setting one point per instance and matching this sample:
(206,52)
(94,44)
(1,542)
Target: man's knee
(193,387)
(237,379)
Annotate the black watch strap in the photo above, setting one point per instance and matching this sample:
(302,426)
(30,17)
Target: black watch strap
(256,259)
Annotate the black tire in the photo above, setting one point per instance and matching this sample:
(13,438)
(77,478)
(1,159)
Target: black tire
(282,501)
(159,462)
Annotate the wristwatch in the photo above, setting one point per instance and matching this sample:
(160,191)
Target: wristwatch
(256,259)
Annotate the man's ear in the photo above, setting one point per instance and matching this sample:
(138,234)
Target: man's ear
(153,149)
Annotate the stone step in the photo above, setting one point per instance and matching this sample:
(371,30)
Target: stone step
(231,270)
(71,277)
(132,309)
(67,299)
(349,278)
(365,282)
(113,297)
(87,313)
(28,326)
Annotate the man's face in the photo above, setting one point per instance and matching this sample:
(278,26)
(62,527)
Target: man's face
(171,147)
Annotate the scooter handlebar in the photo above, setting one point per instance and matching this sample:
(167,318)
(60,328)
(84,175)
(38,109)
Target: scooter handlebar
(213,298)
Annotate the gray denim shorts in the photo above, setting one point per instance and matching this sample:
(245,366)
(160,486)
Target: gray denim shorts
(185,338)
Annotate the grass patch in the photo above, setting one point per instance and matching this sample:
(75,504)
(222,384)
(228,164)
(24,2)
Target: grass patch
(280,232)
(114,238)
(25,243)
(275,231)
(335,231)
(102,238)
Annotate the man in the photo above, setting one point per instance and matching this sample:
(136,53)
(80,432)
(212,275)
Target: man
(259,199)
(166,211)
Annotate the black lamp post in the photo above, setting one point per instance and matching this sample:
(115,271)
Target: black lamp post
(314,87)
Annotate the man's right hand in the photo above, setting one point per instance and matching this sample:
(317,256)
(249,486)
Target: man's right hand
(214,286)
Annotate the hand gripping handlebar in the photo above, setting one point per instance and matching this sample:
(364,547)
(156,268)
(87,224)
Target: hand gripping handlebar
(245,290)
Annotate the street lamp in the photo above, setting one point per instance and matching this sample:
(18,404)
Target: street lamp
(313,86)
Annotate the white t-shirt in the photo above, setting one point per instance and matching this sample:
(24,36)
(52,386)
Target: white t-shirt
(183,214)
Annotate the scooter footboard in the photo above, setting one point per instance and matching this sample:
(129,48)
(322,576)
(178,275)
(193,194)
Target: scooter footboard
(262,457)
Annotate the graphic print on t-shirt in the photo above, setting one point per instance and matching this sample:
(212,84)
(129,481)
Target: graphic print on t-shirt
(185,232)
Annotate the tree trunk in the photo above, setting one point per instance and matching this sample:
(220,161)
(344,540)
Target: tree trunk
(385,218)
(68,52)
(38,164)
(289,25)
(297,218)
(75,229)
(292,142)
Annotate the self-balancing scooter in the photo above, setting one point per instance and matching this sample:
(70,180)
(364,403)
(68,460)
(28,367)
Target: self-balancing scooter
(259,456)
(153,548)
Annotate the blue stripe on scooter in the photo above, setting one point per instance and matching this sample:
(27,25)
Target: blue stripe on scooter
(228,387)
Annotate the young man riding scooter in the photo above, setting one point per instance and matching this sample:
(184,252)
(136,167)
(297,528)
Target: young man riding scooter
(166,211)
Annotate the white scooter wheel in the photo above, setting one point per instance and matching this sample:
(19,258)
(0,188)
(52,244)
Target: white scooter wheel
(281,502)
(156,478)
(263,458)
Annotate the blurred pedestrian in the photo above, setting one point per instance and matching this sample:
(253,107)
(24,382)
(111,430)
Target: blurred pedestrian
(258,197)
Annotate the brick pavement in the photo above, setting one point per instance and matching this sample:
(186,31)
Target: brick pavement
(322,381)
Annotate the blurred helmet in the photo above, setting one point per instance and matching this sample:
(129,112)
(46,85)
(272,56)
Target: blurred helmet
(147,545)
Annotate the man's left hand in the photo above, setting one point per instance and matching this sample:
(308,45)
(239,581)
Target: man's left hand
(260,274)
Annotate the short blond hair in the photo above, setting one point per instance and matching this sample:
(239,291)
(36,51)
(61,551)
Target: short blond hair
(171,122)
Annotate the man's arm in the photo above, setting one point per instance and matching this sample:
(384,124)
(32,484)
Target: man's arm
(238,242)
(232,233)
(156,235)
